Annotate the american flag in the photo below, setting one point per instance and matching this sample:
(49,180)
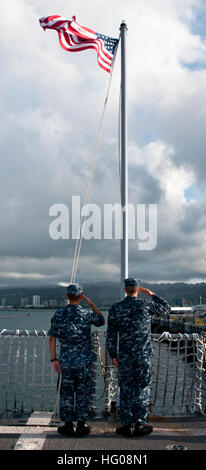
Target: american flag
(74,38)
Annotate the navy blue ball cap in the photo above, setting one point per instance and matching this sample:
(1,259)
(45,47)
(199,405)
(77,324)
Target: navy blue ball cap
(131,282)
(74,289)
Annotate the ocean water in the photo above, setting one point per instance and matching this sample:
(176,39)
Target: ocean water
(32,319)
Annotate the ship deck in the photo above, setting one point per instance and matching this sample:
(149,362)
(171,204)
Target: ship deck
(39,432)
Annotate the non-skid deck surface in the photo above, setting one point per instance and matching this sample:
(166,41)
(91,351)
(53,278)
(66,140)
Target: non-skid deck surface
(38,432)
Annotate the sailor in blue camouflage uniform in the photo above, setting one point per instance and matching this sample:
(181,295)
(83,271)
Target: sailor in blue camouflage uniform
(71,325)
(129,321)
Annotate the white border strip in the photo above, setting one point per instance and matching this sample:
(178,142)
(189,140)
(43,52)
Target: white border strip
(34,436)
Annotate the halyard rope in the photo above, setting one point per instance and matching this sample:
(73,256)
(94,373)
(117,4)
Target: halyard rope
(91,176)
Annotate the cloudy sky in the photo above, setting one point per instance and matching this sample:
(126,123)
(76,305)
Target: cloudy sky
(51,103)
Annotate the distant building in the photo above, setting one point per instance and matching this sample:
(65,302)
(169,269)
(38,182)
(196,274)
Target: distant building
(179,302)
(36,300)
(24,301)
(3,302)
(53,303)
(199,308)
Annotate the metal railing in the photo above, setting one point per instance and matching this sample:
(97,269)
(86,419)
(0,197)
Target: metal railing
(29,383)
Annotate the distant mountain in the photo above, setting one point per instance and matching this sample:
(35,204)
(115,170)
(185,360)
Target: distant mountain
(104,293)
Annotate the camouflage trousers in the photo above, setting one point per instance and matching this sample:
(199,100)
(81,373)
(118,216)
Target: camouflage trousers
(75,393)
(134,382)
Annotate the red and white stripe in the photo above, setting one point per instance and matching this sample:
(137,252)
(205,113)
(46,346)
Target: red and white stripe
(54,22)
(74,37)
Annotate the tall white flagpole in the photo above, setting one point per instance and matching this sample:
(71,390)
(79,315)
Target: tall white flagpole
(123,160)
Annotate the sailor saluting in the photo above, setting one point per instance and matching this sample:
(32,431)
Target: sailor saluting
(130,320)
(72,326)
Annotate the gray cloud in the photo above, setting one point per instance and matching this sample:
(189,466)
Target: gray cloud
(51,106)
